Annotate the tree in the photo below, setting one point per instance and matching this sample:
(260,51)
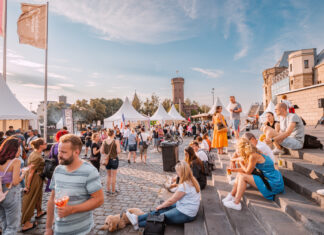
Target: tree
(167,103)
(136,102)
(150,105)
(99,109)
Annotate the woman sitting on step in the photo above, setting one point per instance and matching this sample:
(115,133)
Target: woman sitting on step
(257,170)
(182,207)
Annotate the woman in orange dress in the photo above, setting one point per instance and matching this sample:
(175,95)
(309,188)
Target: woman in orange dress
(220,131)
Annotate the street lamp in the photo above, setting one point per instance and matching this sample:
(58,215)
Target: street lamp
(213,92)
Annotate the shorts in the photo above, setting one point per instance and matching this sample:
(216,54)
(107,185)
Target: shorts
(112,164)
(142,149)
(132,147)
(88,144)
(292,143)
(236,124)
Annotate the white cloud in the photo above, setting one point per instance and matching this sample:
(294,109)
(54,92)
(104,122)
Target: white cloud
(91,84)
(213,73)
(66,85)
(234,13)
(41,86)
(26,63)
(142,21)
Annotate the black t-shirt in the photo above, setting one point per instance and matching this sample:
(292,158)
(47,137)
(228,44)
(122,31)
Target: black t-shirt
(273,125)
(119,136)
(10,133)
(87,136)
(97,146)
(155,134)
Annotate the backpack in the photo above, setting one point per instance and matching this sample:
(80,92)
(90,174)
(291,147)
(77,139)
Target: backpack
(311,142)
(155,224)
(2,194)
(209,165)
(50,164)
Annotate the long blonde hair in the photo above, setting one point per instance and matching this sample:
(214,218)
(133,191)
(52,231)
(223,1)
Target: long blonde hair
(185,175)
(245,148)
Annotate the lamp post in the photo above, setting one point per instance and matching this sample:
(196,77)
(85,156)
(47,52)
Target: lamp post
(213,92)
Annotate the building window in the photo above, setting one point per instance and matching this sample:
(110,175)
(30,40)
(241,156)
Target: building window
(306,64)
(290,67)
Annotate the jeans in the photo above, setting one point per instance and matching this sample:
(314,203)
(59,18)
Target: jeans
(125,144)
(10,211)
(172,216)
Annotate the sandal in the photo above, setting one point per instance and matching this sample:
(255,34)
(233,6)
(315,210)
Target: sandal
(40,216)
(25,230)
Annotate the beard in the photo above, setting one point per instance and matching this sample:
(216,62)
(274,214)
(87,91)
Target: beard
(67,161)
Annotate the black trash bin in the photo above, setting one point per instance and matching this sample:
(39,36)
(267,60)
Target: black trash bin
(170,155)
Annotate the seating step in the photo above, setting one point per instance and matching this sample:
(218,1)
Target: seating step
(216,221)
(302,210)
(198,225)
(303,185)
(306,168)
(265,215)
(316,156)
(174,230)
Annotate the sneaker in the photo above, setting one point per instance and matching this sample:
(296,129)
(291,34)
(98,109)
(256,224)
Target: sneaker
(278,151)
(133,219)
(228,198)
(232,182)
(173,190)
(233,205)
(128,161)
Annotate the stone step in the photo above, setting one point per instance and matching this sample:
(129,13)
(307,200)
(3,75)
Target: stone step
(174,230)
(304,167)
(216,220)
(302,210)
(265,215)
(197,226)
(303,185)
(316,156)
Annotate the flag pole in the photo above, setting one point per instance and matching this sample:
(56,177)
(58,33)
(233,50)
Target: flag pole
(45,85)
(4,18)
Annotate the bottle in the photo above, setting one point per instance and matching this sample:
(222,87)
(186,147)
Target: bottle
(280,163)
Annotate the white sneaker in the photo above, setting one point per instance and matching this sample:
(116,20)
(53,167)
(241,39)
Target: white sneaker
(228,198)
(278,151)
(173,190)
(133,219)
(232,205)
(232,182)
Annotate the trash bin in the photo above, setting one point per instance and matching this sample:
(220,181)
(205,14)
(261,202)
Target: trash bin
(170,155)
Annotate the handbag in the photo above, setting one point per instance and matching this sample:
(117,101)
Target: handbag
(258,172)
(145,145)
(106,146)
(50,165)
(2,194)
(155,224)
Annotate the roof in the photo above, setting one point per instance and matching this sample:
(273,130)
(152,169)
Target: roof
(128,111)
(161,115)
(225,112)
(283,61)
(11,108)
(320,58)
(174,113)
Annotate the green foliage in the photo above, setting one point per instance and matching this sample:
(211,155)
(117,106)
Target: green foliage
(136,102)
(150,105)
(167,103)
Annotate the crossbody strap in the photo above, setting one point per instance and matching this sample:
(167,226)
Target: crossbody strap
(9,164)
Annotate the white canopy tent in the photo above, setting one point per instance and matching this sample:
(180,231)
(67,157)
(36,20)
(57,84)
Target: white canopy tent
(161,115)
(127,113)
(174,113)
(270,108)
(218,102)
(12,110)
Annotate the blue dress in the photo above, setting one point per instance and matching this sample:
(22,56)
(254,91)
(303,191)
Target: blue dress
(273,176)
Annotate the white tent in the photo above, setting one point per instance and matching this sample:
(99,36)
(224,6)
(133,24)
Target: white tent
(225,112)
(174,113)
(11,108)
(161,115)
(128,111)
(270,108)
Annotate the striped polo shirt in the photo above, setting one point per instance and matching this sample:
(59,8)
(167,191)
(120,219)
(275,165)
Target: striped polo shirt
(78,185)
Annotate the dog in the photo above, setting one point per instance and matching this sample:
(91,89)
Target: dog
(117,222)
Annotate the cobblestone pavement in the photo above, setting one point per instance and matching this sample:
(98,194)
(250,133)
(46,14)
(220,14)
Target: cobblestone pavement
(139,186)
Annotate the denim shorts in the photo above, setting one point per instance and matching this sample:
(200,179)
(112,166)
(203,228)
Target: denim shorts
(113,164)
(292,143)
(236,124)
(132,147)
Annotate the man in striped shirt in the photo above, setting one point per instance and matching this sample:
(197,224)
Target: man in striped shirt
(81,182)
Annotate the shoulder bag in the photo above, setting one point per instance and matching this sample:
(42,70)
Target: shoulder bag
(106,146)
(155,224)
(144,143)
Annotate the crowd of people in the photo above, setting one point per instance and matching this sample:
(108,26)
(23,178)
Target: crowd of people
(76,183)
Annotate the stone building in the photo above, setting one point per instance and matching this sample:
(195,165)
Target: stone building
(178,96)
(300,76)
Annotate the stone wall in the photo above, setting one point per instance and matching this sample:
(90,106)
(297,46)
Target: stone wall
(307,101)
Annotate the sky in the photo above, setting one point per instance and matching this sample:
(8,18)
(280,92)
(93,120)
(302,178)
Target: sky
(110,48)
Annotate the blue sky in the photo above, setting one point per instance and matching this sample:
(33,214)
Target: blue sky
(105,48)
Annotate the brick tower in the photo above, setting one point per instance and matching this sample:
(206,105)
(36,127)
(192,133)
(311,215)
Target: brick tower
(177,90)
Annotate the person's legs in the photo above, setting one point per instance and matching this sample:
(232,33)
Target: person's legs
(236,129)
(113,180)
(145,156)
(11,211)
(243,179)
(174,216)
(134,156)
(108,180)
(129,156)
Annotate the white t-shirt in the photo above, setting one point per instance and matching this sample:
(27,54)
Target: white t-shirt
(144,136)
(189,203)
(204,145)
(126,133)
(265,149)
(202,155)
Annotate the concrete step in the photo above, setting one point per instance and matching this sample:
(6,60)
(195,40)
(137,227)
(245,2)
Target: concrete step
(303,185)
(174,230)
(316,156)
(216,220)
(197,226)
(306,168)
(238,219)
(302,210)
(265,215)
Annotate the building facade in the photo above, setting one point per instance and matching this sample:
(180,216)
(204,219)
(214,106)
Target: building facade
(300,76)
